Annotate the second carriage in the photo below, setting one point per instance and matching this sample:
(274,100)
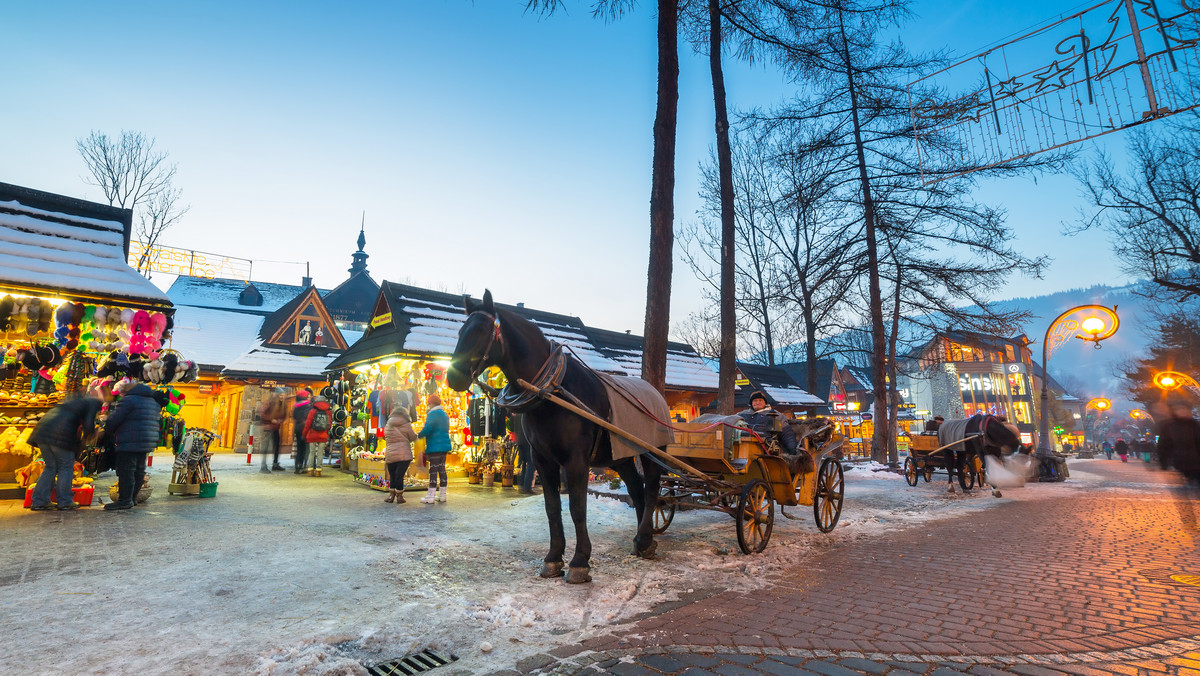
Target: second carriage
(926,455)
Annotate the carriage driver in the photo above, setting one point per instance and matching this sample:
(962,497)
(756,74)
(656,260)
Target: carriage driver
(764,420)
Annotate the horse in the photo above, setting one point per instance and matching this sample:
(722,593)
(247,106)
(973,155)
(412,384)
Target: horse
(492,336)
(990,436)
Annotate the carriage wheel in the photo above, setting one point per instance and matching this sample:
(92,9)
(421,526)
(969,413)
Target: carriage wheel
(831,488)
(755,517)
(910,472)
(664,511)
(966,476)
(980,471)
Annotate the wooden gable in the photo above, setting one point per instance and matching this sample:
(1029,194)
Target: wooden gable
(309,324)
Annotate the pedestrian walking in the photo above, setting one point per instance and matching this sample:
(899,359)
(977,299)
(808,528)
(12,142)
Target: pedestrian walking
(1108,449)
(59,437)
(399,435)
(316,433)
(270,416)
(300,411)
(134,423)
(436,433)
(1122,450)
(1179,443)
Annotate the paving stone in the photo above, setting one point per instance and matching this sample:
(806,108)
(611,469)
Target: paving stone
(864,665)
(539,661)
(662,663)
(695,660)
(781,669)
(629,669)
(947,671)
(829,668)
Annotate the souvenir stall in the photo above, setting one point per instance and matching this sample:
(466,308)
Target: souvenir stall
(70,306)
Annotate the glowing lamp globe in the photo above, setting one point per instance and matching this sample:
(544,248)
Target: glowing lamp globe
(1093,325)
(1166,381)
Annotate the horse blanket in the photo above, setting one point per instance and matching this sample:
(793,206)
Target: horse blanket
(956,430)
(630,399)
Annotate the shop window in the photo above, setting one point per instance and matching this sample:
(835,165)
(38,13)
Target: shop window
(1008,350)
(1021,413)
(955,352)
(1016,385)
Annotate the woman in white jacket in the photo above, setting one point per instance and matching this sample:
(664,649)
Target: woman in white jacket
(399,435)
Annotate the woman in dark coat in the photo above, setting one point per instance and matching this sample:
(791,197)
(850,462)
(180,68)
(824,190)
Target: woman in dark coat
(59,437)
(134,424)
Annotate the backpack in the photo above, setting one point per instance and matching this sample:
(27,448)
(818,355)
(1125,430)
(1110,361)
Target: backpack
(320,421)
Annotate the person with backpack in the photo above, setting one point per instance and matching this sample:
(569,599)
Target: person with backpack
(134,425)
(1122,450)
(60,436)
(316,433)
(299,415)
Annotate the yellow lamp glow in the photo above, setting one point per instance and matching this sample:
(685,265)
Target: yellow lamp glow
(1092,325)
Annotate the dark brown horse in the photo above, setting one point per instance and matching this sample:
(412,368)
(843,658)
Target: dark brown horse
(560,439)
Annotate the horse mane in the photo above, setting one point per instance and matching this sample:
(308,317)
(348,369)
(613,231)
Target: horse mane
(524,328)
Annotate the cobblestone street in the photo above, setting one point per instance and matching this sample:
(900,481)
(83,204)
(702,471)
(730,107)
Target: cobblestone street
(1079,582)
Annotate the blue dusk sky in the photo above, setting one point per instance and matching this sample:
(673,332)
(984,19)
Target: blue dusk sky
(488,148)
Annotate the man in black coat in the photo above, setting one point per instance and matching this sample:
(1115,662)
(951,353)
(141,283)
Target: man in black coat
(135,425)
(764,420)
(1179,443)
(59,437)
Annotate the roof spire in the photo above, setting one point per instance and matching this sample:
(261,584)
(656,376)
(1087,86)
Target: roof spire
(359,258)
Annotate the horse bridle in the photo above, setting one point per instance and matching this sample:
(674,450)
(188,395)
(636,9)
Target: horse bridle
(477,365)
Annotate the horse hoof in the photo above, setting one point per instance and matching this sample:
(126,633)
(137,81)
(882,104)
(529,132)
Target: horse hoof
(996,494)
(648,552)
(579,574)
(552,569)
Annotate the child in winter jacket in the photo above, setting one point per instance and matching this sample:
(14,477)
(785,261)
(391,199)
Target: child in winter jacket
(436,433)
(399,435)
(316,433)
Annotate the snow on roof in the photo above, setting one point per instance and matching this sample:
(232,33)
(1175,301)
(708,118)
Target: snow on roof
(223,294)
(213,338)
(68,253)
(580,346)
(266,361)
(791,396)
(434,326)
(684,371)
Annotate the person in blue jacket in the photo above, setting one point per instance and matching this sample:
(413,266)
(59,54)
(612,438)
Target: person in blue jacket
(134,425)
(436,433)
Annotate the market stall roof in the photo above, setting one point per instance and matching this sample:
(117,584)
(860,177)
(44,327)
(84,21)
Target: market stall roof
(272,362)
(686,369)
(69,247)
(776,384)
(279,349)
(230,294)
(213,338)
(424,324)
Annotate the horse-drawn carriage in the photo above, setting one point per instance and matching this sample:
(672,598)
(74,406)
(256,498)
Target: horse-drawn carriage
(926,454)
(743,475)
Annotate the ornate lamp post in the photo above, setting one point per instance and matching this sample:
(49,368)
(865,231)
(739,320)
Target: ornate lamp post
(1173,380)
(1092,323)
(1100,404)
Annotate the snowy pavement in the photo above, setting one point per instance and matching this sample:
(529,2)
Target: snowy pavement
(286,574)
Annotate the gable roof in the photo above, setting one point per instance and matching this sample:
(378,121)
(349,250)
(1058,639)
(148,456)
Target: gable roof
(425,323)
(277,323)
(223,294)
(776,384)
(798,371)
(353,299)
(69,247)
(686,369)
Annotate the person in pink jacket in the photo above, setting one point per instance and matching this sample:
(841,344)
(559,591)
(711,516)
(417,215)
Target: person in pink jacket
(399,435)
(316,433)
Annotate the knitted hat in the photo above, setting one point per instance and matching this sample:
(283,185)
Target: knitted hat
(303,394)
(433,400)
(758,394)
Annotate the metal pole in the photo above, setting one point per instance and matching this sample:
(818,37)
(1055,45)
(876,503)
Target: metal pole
(1043,450)
(1141,52)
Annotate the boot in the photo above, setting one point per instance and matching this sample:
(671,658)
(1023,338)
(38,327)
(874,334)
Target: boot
(400,497)
(317,471)
(441,496)
(309,471)
(391,495)
(430,496)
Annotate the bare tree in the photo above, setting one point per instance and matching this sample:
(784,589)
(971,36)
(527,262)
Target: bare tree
(160,212)
(128,169)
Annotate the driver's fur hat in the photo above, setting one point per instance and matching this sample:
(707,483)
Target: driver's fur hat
(758,394)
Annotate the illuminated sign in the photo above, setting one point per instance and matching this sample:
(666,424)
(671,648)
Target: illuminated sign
(382,319)
(187,263)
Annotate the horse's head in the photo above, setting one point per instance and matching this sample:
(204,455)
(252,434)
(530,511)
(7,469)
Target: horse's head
(478,343)
(1004,435)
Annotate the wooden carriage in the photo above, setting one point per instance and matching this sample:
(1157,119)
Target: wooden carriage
(727,468)
(926,455)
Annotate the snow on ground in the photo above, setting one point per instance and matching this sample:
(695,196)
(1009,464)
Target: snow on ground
(284,574)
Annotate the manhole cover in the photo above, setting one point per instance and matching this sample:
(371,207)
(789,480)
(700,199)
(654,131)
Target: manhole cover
(416,663)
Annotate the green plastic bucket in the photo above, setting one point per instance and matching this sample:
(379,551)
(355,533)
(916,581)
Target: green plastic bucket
(209,490)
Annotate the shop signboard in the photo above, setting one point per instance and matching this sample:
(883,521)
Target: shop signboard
(380,320)
(187,262)
(205,389)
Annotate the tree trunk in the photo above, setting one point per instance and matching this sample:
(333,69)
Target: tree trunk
(893,385)
(728,357)
(662,200)
(878,386)
(810,349)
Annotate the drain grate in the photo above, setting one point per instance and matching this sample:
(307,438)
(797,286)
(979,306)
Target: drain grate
(416,663)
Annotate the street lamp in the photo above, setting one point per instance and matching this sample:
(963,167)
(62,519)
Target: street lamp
(1097,323)
(1100,404)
